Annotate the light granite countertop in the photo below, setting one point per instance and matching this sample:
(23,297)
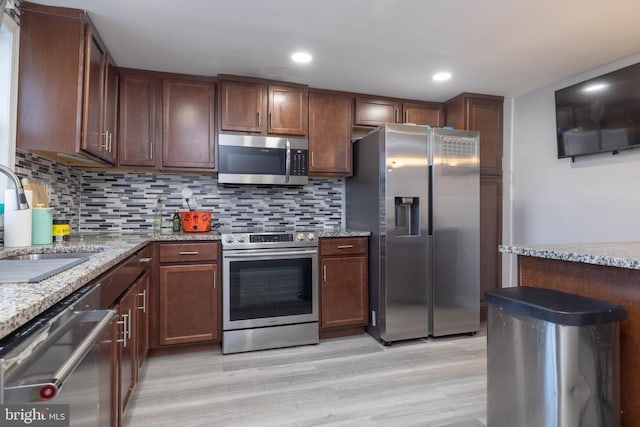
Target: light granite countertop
(21,302)
(615,254)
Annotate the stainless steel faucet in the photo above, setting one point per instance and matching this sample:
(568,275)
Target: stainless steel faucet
(21,199)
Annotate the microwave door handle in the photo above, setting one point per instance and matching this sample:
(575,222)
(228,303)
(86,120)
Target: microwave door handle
(287,167)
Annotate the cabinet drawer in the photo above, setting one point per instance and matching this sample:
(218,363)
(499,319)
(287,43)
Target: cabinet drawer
(343,246)
(188,252)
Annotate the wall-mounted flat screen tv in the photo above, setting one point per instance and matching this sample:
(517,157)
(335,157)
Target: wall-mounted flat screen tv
(599,115)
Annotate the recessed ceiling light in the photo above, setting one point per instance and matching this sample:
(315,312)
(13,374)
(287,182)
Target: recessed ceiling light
(301,57)
(441,77)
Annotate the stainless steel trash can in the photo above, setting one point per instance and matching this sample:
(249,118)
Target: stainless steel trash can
(552,359)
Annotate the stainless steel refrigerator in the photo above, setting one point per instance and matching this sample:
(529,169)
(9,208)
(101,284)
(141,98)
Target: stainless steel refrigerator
(417,190)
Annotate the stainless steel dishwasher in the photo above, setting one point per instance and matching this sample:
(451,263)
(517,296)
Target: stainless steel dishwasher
(55,359)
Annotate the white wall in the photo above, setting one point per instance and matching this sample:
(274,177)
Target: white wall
(551,200)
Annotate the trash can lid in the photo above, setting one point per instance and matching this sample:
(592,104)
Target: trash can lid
(555,306)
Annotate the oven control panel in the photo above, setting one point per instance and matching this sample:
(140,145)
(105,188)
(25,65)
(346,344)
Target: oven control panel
(261,240)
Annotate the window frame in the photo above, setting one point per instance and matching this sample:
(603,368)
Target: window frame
(8,137)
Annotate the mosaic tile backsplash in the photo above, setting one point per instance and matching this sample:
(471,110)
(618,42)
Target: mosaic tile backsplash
(63,181)
(121,201)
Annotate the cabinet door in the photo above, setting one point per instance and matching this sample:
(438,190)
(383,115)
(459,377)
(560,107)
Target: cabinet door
(344,300)
(127,351)
(94,140)
(142,321)
(288,110)
(330,123)
(243,106)
(374,112)
(111,114)
(137,120)
(485,115)
(188,124)
(422,114)
(490,234)
(188,303)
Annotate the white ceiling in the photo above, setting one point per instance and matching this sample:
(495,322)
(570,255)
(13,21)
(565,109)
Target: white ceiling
(384,47)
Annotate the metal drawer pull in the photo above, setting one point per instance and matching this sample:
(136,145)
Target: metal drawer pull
(144,260)
(188,253)
(345,246)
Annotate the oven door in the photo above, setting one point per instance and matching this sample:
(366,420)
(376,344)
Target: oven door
(268,287)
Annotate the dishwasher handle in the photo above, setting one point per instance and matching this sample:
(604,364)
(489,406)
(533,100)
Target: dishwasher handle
(77,356)
(48,390)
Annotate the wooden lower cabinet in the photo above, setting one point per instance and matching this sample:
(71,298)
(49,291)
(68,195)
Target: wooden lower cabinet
(188,294)
(490,236)
(124,289)
(188,303)
(127,345)
(344,283)
(142,319)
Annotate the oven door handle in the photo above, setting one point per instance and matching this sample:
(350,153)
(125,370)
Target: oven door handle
(262,252)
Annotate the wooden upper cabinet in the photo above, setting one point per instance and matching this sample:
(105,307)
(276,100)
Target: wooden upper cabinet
(482,113)
(377,111)
(137,143)
(259,106)
(93,140)
(188,124)
(112,82)
(423,113)
(288,110)
(330,124)
(242,106)
(62,94)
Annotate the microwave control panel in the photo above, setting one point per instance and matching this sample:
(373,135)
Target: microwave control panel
(299,162)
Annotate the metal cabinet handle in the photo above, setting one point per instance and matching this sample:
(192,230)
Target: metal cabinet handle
(143,294)
(214,280)
(110,142)
(406,116)
(312,164)
(150,150)
(145,260)
(397,111)
(258,118)
(345,246)
(129,328)
(324,273)
(124,322)
(189,253)
(105,145)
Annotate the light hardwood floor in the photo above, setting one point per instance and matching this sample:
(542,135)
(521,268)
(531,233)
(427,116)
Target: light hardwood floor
(351,381)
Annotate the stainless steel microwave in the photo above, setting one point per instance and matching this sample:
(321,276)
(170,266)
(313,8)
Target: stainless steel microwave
(248,159)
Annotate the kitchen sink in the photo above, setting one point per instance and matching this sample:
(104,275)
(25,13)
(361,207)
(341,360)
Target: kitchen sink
(56,255)
(33,268)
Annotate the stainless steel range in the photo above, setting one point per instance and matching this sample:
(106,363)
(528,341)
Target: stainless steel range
(270,290)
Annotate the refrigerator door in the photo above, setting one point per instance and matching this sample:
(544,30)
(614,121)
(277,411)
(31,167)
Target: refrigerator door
(406,201)
(456,232)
